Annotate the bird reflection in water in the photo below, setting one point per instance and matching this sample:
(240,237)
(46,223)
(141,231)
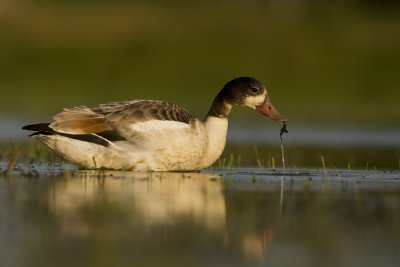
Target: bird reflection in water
(161,209)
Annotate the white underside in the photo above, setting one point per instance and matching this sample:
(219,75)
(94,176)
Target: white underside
(216,129)
(155,146)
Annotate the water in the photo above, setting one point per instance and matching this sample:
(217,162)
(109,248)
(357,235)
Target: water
(343,211)
(60,216)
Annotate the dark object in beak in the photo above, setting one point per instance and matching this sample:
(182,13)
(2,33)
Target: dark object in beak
(267,109)
(283,130)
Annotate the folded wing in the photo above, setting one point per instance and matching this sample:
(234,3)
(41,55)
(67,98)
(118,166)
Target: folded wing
(131,120)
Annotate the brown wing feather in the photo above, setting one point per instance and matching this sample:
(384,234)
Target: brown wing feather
(79,120)
(148,110)
(122,119)
(116,116)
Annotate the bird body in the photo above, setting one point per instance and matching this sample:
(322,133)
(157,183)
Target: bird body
(149,135)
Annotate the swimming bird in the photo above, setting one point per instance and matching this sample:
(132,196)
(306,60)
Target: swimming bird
(150,135)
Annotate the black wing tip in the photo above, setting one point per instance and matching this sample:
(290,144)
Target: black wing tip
(37,127)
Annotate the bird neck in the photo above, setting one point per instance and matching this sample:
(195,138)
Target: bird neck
(220,108)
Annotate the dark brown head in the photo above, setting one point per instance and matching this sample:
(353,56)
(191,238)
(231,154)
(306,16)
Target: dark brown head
(244,91)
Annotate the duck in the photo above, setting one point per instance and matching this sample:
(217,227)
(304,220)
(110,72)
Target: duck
(150,135)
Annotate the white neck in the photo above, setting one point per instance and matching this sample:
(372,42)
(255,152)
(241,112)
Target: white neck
(216,129)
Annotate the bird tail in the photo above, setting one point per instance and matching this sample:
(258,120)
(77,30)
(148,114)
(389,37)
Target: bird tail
(39,128)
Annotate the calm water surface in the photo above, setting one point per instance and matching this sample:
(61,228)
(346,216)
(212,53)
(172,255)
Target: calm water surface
(238,217)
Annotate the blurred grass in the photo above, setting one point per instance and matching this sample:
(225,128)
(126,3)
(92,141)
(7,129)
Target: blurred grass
(322,61)
(240,156)
(303,157)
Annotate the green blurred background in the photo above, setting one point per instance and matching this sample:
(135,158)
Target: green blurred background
(323,61)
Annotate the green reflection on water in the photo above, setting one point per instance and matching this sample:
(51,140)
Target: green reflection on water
(231,218)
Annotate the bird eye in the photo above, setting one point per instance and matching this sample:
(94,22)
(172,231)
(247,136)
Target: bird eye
(254,89)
